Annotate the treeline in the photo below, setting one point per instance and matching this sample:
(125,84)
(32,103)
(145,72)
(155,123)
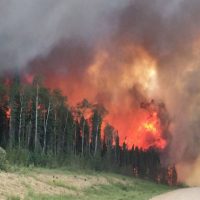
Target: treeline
(39,127)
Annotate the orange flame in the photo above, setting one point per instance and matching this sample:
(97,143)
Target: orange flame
(150,133)
(8,113)
(120,84)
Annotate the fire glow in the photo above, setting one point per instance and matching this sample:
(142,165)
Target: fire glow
(150,133)
(8,113)
(120,88)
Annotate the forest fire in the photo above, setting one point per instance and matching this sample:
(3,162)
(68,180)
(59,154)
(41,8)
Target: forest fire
(121,89)
(8,113)
(150,133)
(120,57)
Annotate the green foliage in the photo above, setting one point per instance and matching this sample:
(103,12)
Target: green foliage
(18,156)
(3,160)
(23,157)
(13,198)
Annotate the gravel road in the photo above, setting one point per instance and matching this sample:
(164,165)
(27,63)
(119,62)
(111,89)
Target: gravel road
(180,194)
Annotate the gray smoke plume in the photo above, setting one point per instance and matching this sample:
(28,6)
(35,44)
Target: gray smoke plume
(32,28)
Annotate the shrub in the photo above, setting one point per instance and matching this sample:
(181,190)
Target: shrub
(3,160)
(18,156)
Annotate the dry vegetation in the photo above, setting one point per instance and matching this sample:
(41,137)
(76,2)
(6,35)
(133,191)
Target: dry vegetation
(45,184)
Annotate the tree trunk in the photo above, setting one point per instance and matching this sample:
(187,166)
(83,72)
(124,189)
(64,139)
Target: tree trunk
(20,120)
(29,128)
(10,130)
(83,134)
(55,136)
(36,118)
(75,141)
(63,138)
(89,145)
(96,140)
(46,118)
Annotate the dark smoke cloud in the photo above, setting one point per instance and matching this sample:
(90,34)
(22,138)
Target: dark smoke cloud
(161,26)
(67,57)
(32,28)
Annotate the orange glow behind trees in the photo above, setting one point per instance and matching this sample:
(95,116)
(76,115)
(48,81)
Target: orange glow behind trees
(149,133)
(120,85)
(8,113)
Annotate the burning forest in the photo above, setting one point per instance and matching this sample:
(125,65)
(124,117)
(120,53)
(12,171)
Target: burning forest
(115,81)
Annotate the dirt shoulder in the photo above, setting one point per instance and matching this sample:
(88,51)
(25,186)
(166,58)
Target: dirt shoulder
(181,194)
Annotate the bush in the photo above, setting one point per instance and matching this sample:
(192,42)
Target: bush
(18,156)
(3,160)
(23,157)
(43,160)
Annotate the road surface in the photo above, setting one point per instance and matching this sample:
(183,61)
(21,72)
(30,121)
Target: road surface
(180,194)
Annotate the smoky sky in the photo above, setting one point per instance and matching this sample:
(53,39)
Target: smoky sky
(32,28)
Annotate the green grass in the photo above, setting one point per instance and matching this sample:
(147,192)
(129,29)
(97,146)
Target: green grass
(64,185)
(46,197)
(13,198)
(142,191)
(137,189)
(118,187)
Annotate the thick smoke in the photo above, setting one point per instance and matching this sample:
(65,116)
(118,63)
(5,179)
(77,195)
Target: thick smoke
(32,28)
(118,53)
(169,30)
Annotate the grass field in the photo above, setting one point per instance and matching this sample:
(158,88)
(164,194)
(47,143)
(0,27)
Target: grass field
(43,184)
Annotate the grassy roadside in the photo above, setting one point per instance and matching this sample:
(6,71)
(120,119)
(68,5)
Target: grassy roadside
(60,184)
